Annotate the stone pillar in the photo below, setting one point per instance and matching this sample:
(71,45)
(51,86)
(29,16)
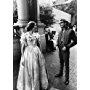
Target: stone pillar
(23,18)
(39,24)
(23,13)
(41,30)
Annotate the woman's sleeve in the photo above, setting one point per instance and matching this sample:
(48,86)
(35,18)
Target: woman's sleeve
(22,40)
(23,43)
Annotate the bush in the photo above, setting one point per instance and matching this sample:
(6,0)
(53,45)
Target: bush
(46,15)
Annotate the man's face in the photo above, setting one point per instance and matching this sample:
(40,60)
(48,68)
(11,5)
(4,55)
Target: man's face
(62,24)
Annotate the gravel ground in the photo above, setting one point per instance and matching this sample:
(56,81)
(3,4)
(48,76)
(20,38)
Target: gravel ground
(52,66)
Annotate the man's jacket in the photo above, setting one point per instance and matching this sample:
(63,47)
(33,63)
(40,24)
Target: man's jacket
(69,39)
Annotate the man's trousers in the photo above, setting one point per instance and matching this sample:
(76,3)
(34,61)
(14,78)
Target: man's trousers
(64,59)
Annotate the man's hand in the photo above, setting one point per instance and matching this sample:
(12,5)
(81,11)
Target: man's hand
(64,48)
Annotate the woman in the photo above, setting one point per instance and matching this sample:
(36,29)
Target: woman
(32,74)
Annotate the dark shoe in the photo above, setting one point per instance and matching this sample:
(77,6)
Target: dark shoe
(58,75)
(66,82)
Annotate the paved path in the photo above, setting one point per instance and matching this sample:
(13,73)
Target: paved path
(52,64)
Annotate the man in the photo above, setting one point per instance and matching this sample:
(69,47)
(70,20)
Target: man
(66,40)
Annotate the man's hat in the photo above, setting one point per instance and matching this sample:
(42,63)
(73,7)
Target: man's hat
(64,21)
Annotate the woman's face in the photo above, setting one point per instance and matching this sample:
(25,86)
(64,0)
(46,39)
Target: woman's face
(35,29)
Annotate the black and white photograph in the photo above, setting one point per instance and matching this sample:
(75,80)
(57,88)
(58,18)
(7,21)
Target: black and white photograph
(45,44)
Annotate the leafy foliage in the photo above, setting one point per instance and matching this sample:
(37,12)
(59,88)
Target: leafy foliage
(46,15)
(70,8)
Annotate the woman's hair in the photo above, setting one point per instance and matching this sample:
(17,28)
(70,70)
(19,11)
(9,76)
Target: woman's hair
(30,25)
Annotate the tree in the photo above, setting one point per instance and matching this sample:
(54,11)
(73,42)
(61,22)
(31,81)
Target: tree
(46,15)
(70,8)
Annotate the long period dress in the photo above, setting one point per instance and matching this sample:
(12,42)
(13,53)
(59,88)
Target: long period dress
(32,72)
